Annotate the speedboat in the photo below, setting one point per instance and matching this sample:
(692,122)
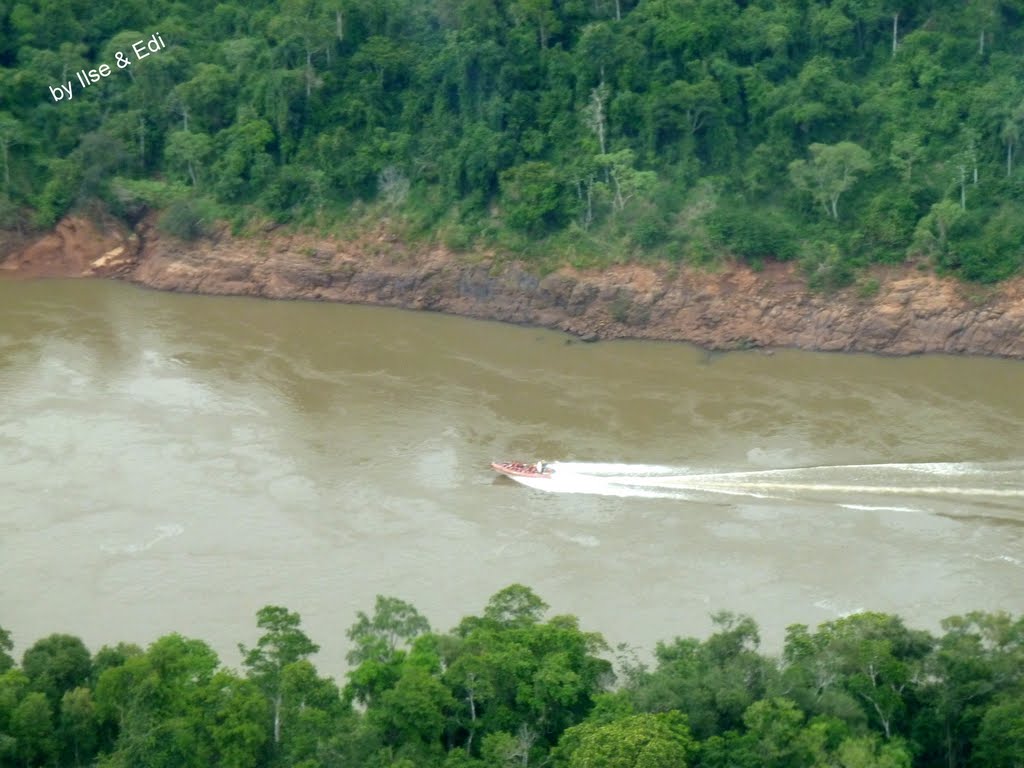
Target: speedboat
(519,469)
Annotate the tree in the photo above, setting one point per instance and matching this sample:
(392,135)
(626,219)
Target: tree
(1000,739)
(595,113)
(377,638)
(627,181)
(207,97)
(932,234)
(243,165)
(10,134)
(872,657)
(55,665)
(515,607)
(315,716)
(773,726)
(392,186)
(978,660)
(303,25)
(6,646)
(79,726)
(235,716)
(503,750)
(415,710)
(507,670)
(539,13)
(534,197)
(870,752)
(965,163)
(1009,134)
(32,729)
(816,99)
(468,678)
(684,108)
(905,153)
(155,702)
(109,657)
(188,150)
(13,685)
(712,683)
(832,171)
(283,643)
(660,740)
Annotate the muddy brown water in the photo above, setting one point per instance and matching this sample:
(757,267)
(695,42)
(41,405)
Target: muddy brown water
(173,463)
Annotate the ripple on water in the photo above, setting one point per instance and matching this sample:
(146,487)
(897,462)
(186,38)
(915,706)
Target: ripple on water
(838,610)
(735,531)
(293,490)
(163,532)
(1008,559)
(581,539)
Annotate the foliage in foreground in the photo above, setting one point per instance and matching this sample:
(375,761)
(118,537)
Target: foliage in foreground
(512,688)
(842,133)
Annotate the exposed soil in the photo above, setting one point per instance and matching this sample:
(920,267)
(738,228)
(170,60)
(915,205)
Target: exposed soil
(911,311)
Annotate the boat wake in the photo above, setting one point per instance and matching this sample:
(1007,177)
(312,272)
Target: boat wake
(854,486)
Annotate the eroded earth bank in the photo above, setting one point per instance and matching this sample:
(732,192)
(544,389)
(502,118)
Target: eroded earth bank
(910,312)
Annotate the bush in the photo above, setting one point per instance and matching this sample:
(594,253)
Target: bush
(825,267)
(752,234)
(58,193)
(535,198)
(889,225)
(130,199)
(10,218)
(650,230)
(188,218)
(294,190)
(868,288)
(997,252)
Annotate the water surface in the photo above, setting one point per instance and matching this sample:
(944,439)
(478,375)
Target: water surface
(173,463)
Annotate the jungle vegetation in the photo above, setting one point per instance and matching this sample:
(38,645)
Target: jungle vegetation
(841,133)
(514,687)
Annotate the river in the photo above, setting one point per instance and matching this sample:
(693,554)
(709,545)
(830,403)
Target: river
(173,463)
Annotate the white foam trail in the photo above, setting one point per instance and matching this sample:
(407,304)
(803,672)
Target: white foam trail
(869,508)
(659,481)
(890,489)
(632,470)
(827,605)
(596,485)
(163,532)
(1000,559)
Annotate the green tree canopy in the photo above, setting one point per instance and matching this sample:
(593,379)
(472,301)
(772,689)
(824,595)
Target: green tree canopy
(639,741)
(831,171)
(57,664)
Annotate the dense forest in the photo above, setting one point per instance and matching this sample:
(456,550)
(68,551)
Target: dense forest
(837,132)
(512,688)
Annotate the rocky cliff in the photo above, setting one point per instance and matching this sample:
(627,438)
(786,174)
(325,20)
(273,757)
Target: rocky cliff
(910,312)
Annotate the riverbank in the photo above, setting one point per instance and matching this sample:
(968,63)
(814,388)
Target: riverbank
(905,312)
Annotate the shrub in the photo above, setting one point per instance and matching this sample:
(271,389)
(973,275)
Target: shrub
(58,193)
(534,197)
(130,199)
(9,215)
(187,218)
(868,288)
(650,230)
(752,234)
(889,225)
(997,253)
(825,267)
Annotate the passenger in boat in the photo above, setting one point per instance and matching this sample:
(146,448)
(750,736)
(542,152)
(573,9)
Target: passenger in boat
(540,466)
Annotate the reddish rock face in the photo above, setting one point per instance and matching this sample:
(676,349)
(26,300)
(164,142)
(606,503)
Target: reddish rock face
(77,247)
(738,308)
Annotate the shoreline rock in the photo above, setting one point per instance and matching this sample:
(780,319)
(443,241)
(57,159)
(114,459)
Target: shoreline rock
(738,308)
